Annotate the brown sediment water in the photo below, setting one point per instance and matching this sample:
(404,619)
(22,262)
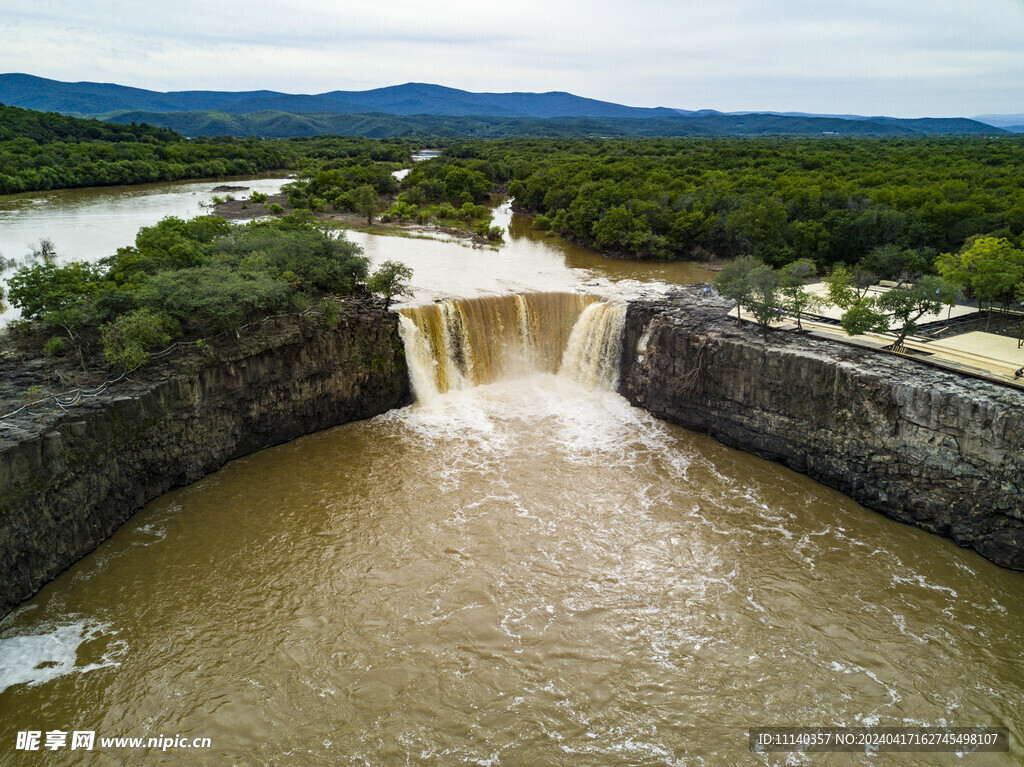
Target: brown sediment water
(518,569)
(456,344)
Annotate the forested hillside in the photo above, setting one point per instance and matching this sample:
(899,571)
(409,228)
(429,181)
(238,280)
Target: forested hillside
(45,150)
(282,124)
(424,110)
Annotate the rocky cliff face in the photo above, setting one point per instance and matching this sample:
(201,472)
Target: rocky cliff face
(68,482)
(927,447)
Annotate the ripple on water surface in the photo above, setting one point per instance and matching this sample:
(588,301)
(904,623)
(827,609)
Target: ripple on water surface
(524,572)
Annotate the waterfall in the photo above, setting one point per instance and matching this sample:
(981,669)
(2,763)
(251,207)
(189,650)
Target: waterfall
(462,343)
(592,355)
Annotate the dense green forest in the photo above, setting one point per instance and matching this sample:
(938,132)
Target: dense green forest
(828,200)
(41,151)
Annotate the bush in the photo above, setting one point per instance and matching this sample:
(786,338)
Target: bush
(446,211)
(316,261)
(55,347)
(214,297)
(492,233)
(128,340)
(275,208)
(331,315)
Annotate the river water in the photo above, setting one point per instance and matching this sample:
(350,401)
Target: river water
(520,569)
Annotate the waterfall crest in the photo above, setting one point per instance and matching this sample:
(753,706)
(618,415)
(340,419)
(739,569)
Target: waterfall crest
(592,355)
(461,343)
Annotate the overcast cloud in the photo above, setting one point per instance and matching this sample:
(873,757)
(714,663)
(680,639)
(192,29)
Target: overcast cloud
(907,58)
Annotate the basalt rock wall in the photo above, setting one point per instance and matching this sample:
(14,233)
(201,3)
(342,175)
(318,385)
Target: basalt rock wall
(932,448)
(70,480)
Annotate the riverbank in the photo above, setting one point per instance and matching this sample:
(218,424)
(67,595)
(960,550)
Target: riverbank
(70,478)
(241,210)
(927,447)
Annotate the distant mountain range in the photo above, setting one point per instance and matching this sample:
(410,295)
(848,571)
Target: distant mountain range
(1014,123)
(418,109)
(282,124)
(410,99)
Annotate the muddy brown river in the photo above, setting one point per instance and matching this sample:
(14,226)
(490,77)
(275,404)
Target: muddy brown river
(519,569)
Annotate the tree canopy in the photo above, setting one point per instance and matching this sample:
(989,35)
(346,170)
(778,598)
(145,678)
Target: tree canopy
(189,277)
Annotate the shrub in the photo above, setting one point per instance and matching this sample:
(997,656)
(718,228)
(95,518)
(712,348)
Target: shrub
(128,340)
(492,233)
(213,297)
(275,208)
(316,261)
(331,315)
(55,347)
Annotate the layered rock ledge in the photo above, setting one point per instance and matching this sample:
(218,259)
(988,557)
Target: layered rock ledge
(924,446)
(70,479)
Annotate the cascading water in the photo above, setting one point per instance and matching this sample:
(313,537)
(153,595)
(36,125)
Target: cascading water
(461,343)
(592,355)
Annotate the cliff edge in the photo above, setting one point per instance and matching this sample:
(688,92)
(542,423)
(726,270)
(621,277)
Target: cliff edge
(924,446)
(69,479)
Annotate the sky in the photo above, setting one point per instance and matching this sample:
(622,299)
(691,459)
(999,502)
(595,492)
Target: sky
(905,58)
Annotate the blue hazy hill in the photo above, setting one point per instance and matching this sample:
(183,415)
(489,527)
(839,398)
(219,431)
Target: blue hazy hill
(433,110)
(85,98)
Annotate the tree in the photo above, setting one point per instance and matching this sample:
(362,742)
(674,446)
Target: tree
(60,296)
(862,316)
(758,224)
(45,250)
(928,296)
(999,272)
(1020,297)
(733,281)
(990,269)
(621,229)
(765,299)
(895,263)
(861,313)
(845,287)
(365,200)
(796,299)
(391,279)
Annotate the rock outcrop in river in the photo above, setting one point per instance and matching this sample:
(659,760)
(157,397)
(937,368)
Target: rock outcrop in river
(928,447)
(68,481)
